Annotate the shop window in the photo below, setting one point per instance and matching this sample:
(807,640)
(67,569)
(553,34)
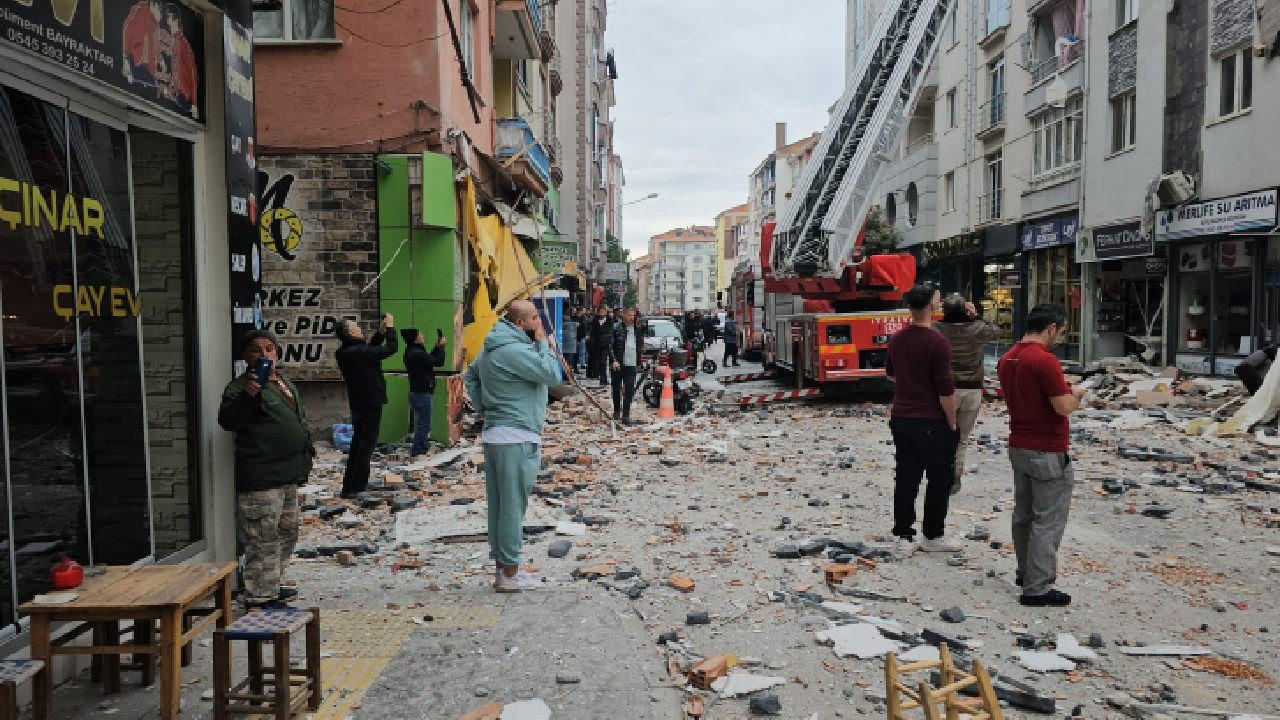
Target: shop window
(1002,282)
(296,20)
(1055,278)
(1124,121)
(1271,294)
(1215,297)
(1235,82)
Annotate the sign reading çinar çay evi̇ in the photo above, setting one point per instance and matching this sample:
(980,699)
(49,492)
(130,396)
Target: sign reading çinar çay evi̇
(1240,213)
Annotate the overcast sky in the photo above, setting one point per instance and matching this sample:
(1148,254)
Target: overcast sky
(700,85)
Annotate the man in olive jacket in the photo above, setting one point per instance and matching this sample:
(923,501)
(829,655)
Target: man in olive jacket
(273,457)
(968,335)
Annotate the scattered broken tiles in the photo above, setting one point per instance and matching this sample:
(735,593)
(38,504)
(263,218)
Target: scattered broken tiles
(860,640)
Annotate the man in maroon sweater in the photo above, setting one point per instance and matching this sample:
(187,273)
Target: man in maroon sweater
(1039,402)
(923,422)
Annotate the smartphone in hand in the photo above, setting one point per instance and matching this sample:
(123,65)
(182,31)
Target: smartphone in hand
(263,370)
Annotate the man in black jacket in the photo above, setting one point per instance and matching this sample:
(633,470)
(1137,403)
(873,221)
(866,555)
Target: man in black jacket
(361,366)
(626,342)
(422,383)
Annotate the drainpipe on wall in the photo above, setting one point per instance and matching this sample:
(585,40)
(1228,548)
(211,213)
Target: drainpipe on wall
(1088,313)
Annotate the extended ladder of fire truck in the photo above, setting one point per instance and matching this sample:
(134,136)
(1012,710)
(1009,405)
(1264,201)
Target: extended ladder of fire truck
(820,228)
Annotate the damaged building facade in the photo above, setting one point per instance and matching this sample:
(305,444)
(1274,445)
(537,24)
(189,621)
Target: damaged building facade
(1089,155)
(424,193)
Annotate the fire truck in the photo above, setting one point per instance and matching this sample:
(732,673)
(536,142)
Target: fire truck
(836,337)
(829,307)
(746,296)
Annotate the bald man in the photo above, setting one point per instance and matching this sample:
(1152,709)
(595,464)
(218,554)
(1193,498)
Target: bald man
(507,384)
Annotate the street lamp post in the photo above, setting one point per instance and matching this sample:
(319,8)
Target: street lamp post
(650,196)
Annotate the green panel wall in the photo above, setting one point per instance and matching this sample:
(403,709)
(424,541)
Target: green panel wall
(424,286)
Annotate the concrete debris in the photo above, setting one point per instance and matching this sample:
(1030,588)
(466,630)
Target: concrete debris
(572,529)
(766,703)
(559,548)
(1041,662)
(1068,647)
(860,640)
(535,709)
(741,683)
(919,653)
(1166,650)
(953,615)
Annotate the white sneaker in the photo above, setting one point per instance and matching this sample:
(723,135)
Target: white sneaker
(520,582)
(941,544)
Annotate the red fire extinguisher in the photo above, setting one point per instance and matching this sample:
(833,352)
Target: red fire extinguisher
(66,574)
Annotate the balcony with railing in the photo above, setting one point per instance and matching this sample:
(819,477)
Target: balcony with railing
(991,116)
(523,155)
(920,143)
(1066,53)
(991,206)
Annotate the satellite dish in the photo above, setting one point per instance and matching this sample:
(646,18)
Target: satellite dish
(1055,93)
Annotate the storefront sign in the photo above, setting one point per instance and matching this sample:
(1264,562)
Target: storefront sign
(952,247)
(242,168)
(150,49)
(1050,233)
(1254,211)
(1121,241)
(305,330)
(1009,279)
(553,254)
(615,271)
(1157,265)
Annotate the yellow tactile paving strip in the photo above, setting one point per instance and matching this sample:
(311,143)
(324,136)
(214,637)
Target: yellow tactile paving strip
(358,644)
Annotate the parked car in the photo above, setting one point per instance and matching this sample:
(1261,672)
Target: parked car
(662,333)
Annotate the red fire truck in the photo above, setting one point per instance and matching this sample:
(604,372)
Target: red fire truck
(746,301)
(824,332)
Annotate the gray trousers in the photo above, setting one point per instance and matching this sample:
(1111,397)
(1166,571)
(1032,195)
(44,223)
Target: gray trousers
(1042,483)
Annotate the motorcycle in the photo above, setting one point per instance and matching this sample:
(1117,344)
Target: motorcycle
(650,383)
(696,346)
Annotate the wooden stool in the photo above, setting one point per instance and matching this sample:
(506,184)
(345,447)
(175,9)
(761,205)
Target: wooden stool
(13,672)
(928,699)
(291,689)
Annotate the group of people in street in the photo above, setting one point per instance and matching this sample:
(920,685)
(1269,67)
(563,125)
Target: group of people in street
(938,369)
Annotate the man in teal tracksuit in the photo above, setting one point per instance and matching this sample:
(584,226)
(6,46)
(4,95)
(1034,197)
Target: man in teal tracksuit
(507,384)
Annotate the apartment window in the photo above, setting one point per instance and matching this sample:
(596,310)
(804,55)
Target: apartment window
(698,279)
(949,191)
(913,204)
(697,259)
(993,202)
(1124,123)
(953,24)
(1057,138)
(995,80)
(295,20)
(1235,89)
(951,109)
(466,37)
(1126,12)
(997,15)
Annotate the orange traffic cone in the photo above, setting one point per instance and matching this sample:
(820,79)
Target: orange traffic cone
(667,405)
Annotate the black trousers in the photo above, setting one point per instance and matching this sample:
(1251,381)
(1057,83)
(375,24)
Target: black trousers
(922,448)
(601,363)
(730,351)
(365,423)
(624,389)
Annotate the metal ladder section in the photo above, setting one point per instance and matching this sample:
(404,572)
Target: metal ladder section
(819,227)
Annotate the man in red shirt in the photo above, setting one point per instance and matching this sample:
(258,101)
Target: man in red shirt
(923,422)
(1039,402)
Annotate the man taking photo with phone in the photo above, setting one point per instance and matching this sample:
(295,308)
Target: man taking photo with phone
(273,457)
(361,366)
